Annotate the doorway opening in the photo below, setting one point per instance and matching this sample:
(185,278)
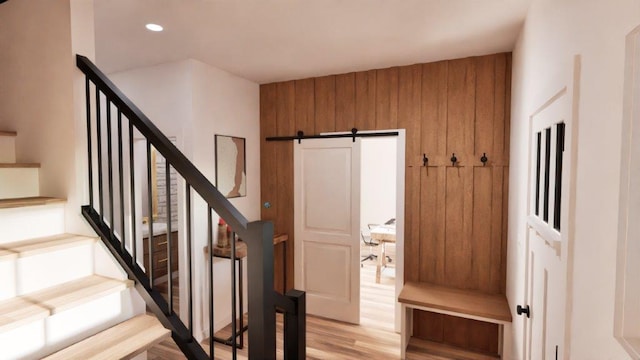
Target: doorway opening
(378,219)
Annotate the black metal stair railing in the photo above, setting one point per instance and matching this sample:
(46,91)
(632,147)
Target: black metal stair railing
(114,213)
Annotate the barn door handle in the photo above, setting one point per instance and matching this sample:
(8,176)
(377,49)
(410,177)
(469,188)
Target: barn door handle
(523,310)
(484,159)
(454,159)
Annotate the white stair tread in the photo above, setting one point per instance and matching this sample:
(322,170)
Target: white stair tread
(40,304)
(19,165)
(122,341)
(28,201)
(32,247)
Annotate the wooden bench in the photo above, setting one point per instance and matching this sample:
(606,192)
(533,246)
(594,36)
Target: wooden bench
(455,302)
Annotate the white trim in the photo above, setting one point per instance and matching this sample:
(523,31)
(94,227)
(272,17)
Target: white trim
(627,299)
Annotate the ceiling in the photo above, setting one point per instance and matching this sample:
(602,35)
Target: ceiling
(274,40)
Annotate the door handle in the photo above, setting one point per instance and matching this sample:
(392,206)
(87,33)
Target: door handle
(523,310)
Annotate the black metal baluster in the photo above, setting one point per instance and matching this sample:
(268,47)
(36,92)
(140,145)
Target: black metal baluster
(234,332)
(99,140)
(112,224)
(241,302)
(189,271)
(167,187)
(210,259)
(121,182)
(89,136)
(133,193)
(150,221)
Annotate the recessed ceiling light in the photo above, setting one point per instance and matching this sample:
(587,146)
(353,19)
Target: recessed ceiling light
(154,27)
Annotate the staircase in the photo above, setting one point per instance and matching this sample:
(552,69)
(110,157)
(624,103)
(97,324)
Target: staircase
(62,296)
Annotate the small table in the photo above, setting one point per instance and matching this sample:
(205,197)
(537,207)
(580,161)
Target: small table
(383,234)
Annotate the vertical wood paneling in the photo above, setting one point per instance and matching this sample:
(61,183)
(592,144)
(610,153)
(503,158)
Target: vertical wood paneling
(305,106)
(495,279)
(394,79)
(484,99)
(457,249)
(366,100)
(434,108)
(461,108)
(432,231)
(455,217)
(268,177)
(482,226)
(268,167)
(386,99)
(428,325)
(499,134)
(345,102)
(325,104)
(409,118)
(482,337)
(285,120)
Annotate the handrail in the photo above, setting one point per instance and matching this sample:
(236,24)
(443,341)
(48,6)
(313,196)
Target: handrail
(191,174)
(258,235)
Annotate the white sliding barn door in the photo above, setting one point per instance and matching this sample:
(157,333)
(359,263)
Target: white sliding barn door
(327,230)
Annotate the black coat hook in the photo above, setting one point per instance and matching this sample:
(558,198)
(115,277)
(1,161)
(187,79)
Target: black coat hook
(425,160)
(454,159)
(484,159)
(300,135)
(353,132)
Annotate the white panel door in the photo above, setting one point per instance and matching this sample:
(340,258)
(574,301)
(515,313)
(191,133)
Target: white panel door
(548,230)
(327,237)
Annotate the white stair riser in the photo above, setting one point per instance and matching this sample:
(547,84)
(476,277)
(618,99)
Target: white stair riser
(41,271)
(19,182)
(31,222)
(43,337)
(7,149)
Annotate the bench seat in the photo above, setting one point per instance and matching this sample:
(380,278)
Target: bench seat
(455,302)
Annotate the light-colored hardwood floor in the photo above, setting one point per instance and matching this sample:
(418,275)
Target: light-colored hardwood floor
(373,339)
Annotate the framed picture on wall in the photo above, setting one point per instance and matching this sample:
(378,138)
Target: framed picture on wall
(231,169)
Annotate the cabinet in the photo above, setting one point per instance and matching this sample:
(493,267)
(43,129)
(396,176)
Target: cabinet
(160,255)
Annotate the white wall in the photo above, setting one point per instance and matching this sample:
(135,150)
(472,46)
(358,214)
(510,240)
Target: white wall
(41,92)
(378,180)
(193,101)
(554,32)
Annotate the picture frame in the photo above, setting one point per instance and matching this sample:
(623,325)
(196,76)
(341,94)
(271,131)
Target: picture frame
(231,165)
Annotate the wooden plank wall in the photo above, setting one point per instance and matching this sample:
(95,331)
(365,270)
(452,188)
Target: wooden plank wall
(455,215)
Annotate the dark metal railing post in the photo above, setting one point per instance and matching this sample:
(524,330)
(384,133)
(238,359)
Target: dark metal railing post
(210,277)
(132,184)
(189,258)
(167,186)
(121,182)
(89,136)
(110,168)
(150,221)
(99,143)
(295,328)
(262,340)
(234,330)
